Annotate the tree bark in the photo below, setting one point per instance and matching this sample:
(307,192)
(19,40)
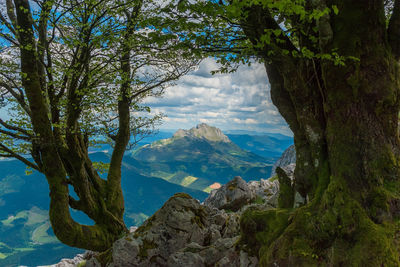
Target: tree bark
(66,161)
(345,125)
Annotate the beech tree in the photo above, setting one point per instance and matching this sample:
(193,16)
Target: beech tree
(333,69)
(74,73)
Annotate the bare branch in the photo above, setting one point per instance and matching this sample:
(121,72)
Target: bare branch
(15,128)
(19,157)
(18,96)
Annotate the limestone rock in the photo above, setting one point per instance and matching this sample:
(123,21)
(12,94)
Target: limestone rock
(72,262)
(288,157)
(182,233)
(204,131)
(231,196)
(267,189)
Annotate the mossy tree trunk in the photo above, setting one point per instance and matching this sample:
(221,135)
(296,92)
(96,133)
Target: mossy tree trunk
(62,154)
(345,124)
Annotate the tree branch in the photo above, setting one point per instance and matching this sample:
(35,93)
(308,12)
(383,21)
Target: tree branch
(19,97)
(260,16)
(19,157)
(15,128)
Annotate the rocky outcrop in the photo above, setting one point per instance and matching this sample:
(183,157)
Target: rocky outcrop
(288,157)
(78,260)
(185,232)
(182,233)
(231,196)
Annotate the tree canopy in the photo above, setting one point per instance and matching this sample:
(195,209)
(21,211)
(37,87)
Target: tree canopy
(74,73)
(333,69)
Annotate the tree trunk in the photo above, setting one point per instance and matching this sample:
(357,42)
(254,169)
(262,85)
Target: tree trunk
(345,125)
(68,162)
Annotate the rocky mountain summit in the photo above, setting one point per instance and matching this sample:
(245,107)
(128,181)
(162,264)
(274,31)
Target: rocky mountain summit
(203,131)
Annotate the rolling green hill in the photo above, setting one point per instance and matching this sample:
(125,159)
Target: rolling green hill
(191,161)
(198,158)
(26,237)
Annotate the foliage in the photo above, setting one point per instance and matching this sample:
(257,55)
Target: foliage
(74,74)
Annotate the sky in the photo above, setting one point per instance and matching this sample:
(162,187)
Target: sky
(236,101)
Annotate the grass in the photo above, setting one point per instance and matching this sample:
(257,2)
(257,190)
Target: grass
(207,189)
(163,175)
(9,221)
(36,215)
(188,180)
(40,235)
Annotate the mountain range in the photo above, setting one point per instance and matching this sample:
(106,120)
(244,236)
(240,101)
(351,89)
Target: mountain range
(193,161)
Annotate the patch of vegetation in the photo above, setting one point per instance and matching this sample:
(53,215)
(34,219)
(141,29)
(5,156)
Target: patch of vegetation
(104,257)
(273,178)
(188,180)
(147,244)
(41,236)
(258,200)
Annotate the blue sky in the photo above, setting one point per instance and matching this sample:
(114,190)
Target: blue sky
(238,101)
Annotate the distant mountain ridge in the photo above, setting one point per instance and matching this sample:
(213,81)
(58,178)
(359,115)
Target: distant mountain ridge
(203,131)
(194,161)
(200,157)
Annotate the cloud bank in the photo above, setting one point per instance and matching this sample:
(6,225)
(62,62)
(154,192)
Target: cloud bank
(237,101)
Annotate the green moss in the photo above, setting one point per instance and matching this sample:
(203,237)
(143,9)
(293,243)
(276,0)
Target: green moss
(261,227)
(258,200)
(181,195)
(286,190)
(199,216)
(104,257)
(273,178)
(333,231)
(81,264)
(146,245)
(145,226)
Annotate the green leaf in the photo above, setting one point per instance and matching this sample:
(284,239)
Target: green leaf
(335,9)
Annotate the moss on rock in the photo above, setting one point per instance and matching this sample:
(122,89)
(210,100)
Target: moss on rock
(335,231)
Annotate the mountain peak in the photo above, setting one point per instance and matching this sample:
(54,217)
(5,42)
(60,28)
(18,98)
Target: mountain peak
(205,131)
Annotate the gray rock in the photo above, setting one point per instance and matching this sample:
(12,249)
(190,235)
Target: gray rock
(180,221)
(203,131)
(182,233)
(72,262)
(185,259)
(288,157)
(231,196)
(268,190)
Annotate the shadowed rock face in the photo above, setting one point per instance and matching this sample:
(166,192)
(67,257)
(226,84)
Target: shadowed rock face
(204,131)
(288,157)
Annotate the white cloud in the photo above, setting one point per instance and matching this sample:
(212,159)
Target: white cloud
(237,101)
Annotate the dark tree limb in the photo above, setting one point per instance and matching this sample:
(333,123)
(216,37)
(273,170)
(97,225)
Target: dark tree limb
(12,154)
